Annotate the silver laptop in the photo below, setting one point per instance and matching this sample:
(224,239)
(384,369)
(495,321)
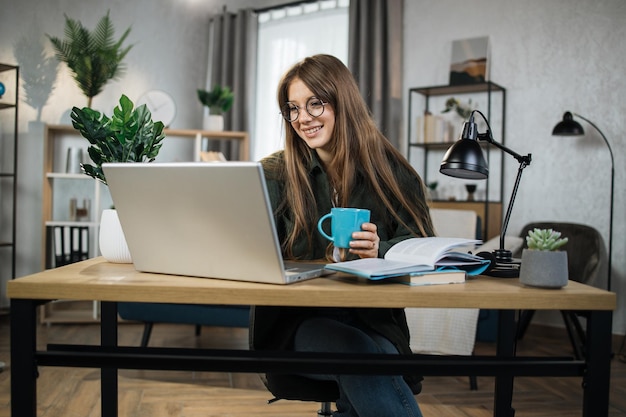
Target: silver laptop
(211,220)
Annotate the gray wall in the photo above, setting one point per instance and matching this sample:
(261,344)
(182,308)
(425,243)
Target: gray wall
(550,55)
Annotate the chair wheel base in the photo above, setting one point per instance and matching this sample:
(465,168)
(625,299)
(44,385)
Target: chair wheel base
(325,411)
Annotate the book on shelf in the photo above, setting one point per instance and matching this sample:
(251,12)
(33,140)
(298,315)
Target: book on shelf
(66,244)
(432,128)
(419,257)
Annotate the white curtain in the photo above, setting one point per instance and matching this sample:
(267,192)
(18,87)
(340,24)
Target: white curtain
(285,36)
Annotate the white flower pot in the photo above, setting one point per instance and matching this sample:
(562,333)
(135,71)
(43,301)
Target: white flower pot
(213,122)
(112,241)
(544,269)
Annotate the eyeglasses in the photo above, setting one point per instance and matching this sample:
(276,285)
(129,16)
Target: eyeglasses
(314,106)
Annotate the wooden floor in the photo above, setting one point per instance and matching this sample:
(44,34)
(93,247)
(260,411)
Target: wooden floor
(72,392)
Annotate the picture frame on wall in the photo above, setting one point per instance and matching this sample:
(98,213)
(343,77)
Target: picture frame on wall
(470,61)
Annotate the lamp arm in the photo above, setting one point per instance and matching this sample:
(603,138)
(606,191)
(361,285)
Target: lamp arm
(610,248)
(488,137)
(502,254)
(522,159)
(600,132)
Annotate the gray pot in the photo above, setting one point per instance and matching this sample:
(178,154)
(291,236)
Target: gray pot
(543,268)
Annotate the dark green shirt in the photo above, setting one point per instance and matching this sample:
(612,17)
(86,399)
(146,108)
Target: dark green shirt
(274,327)
(390,231)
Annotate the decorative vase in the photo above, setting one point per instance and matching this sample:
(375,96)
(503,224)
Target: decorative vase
(545,269)
(112,241)
(453,125)
(213,122)
(471,189)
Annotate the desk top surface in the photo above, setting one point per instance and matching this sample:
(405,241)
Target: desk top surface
(97,279)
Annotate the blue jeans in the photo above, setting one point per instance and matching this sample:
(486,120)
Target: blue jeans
(359,395)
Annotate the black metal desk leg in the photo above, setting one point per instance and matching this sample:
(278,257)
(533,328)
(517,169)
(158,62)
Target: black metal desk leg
(597,379)
(108,337)
(23,364)
(503,395)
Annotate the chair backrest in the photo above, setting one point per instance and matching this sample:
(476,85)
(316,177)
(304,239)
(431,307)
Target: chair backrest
(455,223)
(446,331)
(584,248)
(287,386)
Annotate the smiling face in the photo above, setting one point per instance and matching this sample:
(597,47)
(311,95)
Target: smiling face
(315,131)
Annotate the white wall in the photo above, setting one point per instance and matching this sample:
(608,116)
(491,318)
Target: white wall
(550,55)
(169,53)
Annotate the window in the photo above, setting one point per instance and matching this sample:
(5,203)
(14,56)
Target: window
(285,36)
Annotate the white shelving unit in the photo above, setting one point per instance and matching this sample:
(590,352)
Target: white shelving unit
(9,75)
(59,187)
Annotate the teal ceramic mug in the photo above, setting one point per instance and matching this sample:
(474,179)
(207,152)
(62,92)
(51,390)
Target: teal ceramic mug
(343,222)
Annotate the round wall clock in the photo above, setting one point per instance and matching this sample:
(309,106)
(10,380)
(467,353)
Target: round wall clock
(160,104)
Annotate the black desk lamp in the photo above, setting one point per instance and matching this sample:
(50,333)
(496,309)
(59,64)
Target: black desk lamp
(569,127)
(465,160)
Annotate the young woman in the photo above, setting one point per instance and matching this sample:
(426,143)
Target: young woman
(335,156)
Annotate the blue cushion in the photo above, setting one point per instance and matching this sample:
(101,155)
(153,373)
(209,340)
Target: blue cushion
(206,315)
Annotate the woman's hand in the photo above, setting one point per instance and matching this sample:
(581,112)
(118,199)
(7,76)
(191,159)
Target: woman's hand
(365,243)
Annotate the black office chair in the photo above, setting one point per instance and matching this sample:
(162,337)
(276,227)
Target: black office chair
(584,253)
(296,387)
(301,388)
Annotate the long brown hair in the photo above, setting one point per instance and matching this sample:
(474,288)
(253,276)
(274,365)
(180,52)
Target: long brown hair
(357,147)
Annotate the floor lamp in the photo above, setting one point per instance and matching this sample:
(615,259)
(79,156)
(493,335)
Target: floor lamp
(465,159)
(569,127)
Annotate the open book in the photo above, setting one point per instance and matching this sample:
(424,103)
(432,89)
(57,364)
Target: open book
(417,256)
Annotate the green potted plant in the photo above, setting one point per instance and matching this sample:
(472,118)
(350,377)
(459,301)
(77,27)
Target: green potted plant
(129,135)
(217,101)
(456,113)
(95,57)
(543,263)
(432,190)
(463,110)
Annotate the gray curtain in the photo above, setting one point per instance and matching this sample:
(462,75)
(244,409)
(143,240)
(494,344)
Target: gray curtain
(375,59)
(232,62)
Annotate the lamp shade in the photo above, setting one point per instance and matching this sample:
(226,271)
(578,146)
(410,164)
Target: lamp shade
(465,160)
(568,126)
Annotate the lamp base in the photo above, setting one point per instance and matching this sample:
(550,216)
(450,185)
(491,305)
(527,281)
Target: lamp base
(503,255)
(505,269)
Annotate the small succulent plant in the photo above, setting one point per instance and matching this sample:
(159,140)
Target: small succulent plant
(545,239)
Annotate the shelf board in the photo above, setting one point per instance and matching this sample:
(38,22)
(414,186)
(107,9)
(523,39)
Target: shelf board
(442,90)
(71,311)
(226,134)
(465,201)
(63,175)
(70,223)
(70,316)
(7,105)
(442,145)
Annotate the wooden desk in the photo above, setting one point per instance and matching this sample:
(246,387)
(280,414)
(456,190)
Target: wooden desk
(96,279)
